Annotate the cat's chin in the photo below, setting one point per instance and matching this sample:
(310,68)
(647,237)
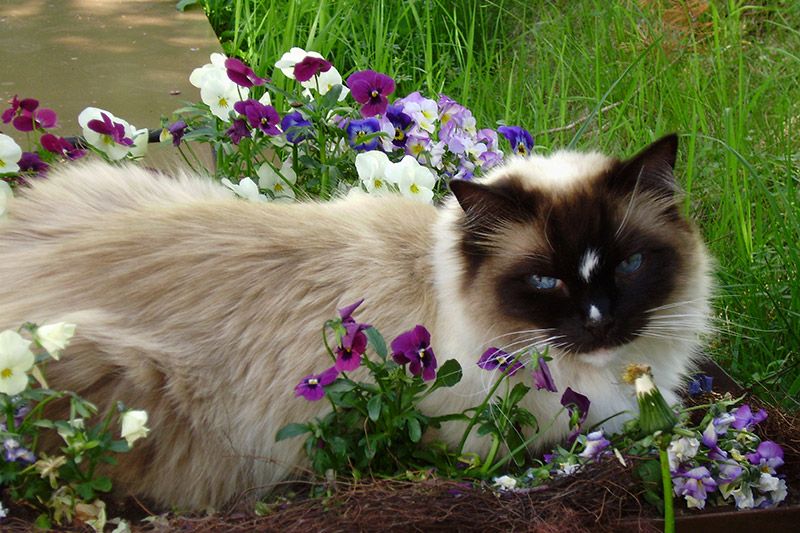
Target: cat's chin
(599,358)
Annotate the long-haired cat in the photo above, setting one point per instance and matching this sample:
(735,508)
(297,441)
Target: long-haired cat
(205,310)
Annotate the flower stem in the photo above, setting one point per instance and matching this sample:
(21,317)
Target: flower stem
(491,455)
(666,480)
(478,411)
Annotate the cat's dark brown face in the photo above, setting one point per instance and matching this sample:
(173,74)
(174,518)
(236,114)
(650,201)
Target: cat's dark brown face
(587,262)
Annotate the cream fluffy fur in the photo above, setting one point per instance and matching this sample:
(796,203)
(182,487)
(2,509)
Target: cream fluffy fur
(206,310)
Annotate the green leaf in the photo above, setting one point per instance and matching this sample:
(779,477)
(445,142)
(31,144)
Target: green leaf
(377,342)
(449,374)
(517,393)
(101,484)
(119,446)
(291,430)
(43,522)
(339,386)
(414,430)
(85,491)
(374,408)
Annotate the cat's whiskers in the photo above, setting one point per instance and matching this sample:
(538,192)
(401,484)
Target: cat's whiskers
(629,207)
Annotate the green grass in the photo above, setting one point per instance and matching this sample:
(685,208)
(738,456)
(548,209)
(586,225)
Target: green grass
(729,84)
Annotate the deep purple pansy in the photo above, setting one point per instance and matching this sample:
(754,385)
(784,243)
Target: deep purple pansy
(296,127)
(495,358)
(115,130)
(358,132)
(309,67)
(700,383)
(402,123)
(578,408)
(241,74)
(61,146)
(312,387)
(177,130)
(414,347)
(520,139)
(259,116)
(31,162)
(371,89)
(238,130)
(542,378)
(354,342)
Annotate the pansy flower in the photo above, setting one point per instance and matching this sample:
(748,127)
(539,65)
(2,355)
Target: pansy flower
(700,383)
(31,162)
(745,419)
(296,127)
(578,408)
(310,66)
(767,457)
(371,167)
(238,131)
(13,452)
(174,132)
(259,116)
(495,358)
(291,58)
(353,342)
(694,485)
(371,89)
(520,139)
(541,376)
(414,348)
(241,74)
(358,132)
(278,181)
(312,387)
(680,450)
(10,153)
(414,180)
(595,445)
(401,122)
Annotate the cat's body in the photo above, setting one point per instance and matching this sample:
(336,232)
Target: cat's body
(206,310)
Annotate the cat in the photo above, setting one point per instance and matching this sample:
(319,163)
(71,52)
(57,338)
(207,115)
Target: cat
(205,310)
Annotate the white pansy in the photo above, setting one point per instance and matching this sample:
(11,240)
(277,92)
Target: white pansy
(133,425)
(200,75)
(15,361)
(141,138)
(744,497)
(220,94)
(681,450)
(324,82)
(5,196)
(505,482)
(10,153)
(425,112)
(246,188)
(288,60)
(103,142)
(280,182)
(775,486)
(413,180)
(371,168)
(265,99)
(54,337)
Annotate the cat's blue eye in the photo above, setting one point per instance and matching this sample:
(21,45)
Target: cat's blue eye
(545,283)
(631,264)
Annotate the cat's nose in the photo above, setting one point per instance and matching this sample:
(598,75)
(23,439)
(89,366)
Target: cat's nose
(599,319)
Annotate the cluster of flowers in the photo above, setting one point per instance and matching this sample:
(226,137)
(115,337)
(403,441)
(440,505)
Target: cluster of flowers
(18,367)
(727,460)
(404,146)
(412,348)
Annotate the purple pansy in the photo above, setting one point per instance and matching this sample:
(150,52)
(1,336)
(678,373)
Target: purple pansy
(353,342)
(238,130)
(358,130)
(31,162)
(177,130)
(9,114)
(295,126)
(596,445)
(767,457)
(61,146)
(346,313)
(414,347)
(542,378)
(729,471)
(26,115)
(309,67)
(370,89)
(312,386)
(694,485)
(520,139)
(700,383)
(578,408)
(494,358)
(402,124)
(710,440)
(241,74)
(259,116)
(745,419)
(15,452)
(115,130)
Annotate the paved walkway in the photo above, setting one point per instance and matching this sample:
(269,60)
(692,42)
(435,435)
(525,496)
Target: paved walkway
(131,57)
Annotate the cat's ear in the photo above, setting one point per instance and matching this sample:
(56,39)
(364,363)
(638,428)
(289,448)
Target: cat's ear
(487,203)
(649,170)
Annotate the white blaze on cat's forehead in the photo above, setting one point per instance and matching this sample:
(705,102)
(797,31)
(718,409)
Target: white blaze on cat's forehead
(589,262)
(594,313)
